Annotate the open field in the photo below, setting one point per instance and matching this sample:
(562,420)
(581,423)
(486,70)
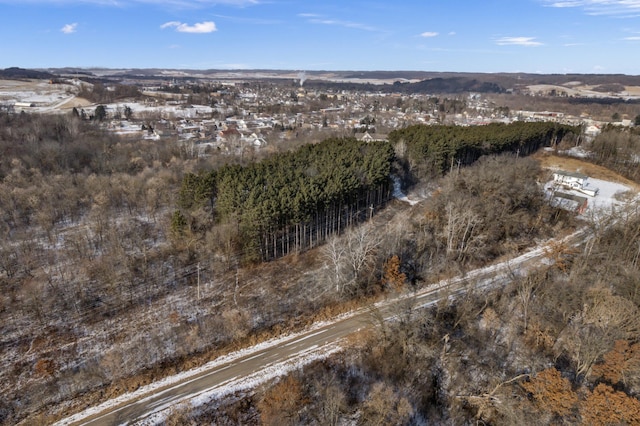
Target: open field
(578,89)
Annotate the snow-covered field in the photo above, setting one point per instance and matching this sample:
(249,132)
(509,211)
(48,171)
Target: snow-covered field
(610,195)
(39,93)
(47,97)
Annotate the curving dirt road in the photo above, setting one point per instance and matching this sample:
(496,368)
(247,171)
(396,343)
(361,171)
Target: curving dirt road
(248,368)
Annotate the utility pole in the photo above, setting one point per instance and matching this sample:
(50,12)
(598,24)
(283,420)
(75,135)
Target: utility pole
(198,280)
(235,290)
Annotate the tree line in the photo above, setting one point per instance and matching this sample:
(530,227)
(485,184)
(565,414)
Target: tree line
(433,150)
(291,201)
(617,149)
(99,93)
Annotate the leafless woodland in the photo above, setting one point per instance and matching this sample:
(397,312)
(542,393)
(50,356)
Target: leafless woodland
(98,297)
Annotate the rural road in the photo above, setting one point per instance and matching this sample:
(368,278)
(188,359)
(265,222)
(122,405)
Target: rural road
(244,371)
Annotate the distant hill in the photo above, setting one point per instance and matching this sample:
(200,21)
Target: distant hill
(405,81)
(15,72)
(447,85)
(450,85)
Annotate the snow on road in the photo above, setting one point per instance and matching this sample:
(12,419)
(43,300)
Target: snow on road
(237,384)
(262,376)
(282,367)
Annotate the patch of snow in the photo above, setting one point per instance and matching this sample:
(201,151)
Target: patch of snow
(578,152)
(397,192)
(611,195)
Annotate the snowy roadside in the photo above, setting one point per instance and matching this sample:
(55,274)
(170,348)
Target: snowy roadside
(488,277)
(279,368)
(276,369)
(272,371)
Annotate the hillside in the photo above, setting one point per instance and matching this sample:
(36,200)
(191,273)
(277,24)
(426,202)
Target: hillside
(21,73)
(407,81)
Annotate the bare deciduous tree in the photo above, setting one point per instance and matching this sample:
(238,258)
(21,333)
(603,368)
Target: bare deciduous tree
(460,225)
(525,291)
(350,256)
(384,407)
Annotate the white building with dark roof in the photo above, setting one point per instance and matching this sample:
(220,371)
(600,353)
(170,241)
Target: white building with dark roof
(574,180)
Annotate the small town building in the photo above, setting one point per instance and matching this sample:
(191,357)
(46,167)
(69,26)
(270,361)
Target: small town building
(574,180)
(368,137)
(570,202)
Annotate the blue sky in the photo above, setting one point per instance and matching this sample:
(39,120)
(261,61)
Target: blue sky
(542,36)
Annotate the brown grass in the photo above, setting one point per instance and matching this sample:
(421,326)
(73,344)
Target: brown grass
(75,102)
(572,164)
(633,90)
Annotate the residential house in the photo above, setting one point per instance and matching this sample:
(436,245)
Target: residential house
(230,135)
(574,180)
(255,140)
(367,137)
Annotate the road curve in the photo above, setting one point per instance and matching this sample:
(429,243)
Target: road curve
(252,366)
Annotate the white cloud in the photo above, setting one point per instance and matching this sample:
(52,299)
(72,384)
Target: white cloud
(428,34)
(346,24)
(198,28)
(628,8)
(170,24)
(518,41)
(314,18)
(632,38)
(69,28)
(452,33)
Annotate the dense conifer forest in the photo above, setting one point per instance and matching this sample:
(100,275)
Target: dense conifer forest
(293,201)
(433,150)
